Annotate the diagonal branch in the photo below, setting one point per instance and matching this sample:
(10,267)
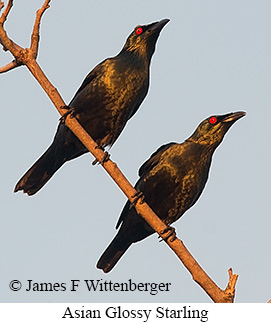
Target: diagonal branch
(26,57)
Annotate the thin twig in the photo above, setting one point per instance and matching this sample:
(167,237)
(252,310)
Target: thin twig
(230,289)
(6,12)
(8,67)
(6,42)
(35,37)
(1,5)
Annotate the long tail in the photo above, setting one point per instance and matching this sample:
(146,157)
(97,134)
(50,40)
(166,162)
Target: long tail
(113,253)
(40,173)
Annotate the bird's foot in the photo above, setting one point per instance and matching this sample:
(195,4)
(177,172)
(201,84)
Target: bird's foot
(105,158)
(70,111)
(138,195)
(171,233)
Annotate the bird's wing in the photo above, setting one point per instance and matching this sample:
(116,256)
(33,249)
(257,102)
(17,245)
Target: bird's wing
(90,77)
(144,170)
(153,160)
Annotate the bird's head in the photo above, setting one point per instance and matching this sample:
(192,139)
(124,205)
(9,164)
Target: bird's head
(143,38)
(212,130)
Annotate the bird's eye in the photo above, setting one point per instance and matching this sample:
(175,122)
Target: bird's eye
(139,31)
(213,120)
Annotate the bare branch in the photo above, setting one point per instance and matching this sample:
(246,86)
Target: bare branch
(1,5)
(230,289)
(27,57)
(4,15)
(35,37)
(6,42)
(8,67)
(200,276)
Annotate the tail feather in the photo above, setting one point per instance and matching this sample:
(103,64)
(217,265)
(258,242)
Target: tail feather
(113,253)
(40,172)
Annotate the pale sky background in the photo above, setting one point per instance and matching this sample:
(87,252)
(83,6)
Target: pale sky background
(212,58)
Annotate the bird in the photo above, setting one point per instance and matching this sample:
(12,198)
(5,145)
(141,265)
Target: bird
(171,181)
(107,98)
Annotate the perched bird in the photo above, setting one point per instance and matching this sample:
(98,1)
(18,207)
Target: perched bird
(171,180)
(108,97)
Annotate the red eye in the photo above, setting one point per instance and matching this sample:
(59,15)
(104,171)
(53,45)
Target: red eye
(139,31)
(213,120)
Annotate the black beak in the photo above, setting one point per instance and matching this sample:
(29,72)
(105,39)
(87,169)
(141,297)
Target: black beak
(234,116)
(158,26)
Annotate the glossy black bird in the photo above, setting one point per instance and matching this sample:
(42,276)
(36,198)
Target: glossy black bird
(172,180)
(108,97)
